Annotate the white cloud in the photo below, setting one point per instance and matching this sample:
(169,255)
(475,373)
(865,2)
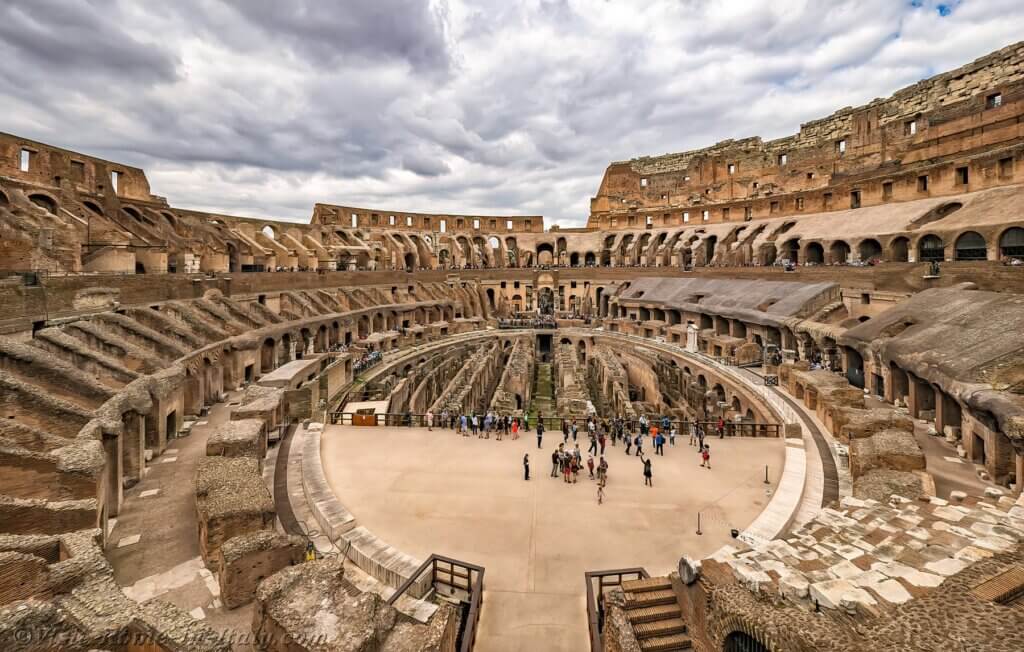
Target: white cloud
(487,106)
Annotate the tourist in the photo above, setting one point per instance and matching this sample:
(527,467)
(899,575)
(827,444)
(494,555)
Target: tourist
(672,437)
(575,469)
(639,443)
(515,429)
(720,428)
(464,422)
(592,449)
(600,493)
(566,468)
(648,476)
(705,456)
(430,420)
(565,430)
(666,424)
(659,444)
(540,432)
(693,433)
(526,466)
(629,444)
(554,463)
(473,424)
(573,429)
(602,472)
(601,440)
(590,466)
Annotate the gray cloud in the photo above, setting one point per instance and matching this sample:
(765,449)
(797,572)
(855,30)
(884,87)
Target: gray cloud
(259,107)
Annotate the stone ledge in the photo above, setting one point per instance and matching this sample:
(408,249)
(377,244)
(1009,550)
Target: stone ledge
(332,516)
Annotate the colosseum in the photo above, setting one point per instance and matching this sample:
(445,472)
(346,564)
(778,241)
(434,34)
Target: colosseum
(779,384)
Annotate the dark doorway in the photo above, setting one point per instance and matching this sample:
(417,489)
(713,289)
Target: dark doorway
(743,642)
(171,425)
(248,373)
(544,347)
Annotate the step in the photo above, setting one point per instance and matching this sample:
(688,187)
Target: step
(660,628)
(650,614)
(650,598)
(666,643)
(647,584)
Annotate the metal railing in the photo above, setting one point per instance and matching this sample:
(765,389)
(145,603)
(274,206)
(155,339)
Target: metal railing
(595,599)
(554,424)
(454,575)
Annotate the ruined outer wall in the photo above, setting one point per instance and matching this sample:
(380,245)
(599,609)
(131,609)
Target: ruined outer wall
(369,218)
(877,150)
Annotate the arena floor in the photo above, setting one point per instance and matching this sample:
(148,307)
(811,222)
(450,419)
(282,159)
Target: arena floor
(426,492)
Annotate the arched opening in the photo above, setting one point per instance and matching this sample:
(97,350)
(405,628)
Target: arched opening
(767,254)
(814,253)
(1011,243)
(269,232)
(139,268)
(574,259)
(545,254)
(410,261)
(709,249)
(791,251)
(900,250)
(854,368)
(970,246)
(494,243)
(931,248)
(869,249)
(490,297)
(44,201)
(92,207)
(132,213)
(590,260)
(839,252)
(4,201)
(743,642)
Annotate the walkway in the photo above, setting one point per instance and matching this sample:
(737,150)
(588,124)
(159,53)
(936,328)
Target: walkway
(154,546)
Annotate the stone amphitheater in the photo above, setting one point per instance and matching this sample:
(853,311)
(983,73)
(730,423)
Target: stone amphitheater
(228,433)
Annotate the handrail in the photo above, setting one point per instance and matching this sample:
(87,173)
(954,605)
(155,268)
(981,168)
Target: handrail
(552,424)
(595,620)
(473,586)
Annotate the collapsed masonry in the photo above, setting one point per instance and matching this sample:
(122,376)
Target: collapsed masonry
(514,387)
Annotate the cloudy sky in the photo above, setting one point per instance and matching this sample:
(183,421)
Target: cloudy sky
(263,107)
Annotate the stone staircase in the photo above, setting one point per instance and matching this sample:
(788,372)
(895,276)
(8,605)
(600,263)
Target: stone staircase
(653,611)
(543,397)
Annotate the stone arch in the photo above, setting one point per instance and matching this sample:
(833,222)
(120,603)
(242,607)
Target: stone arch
(93,207)
(709,248)
(767,253)
(869,249)
(970,245)
(44,201)
(839,251)
(930,247)
(1011,242)
(791,250)
(132,212)
(814,253)
(899,249)
(545,254)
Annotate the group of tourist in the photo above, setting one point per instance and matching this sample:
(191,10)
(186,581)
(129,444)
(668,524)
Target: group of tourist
(367,360)
(479,425)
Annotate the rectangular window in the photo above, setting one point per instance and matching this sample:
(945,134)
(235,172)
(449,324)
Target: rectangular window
(643,182)
(887,190)
(459,223)
(508,225)
(115,179)
(528,224)
(748,213)
(910,127)
(993,101)
(855,199)
(391,220)
(841,147)
(476,223)
(426,223)
(706,215)
(865,298)
(922,183)
(444,226)
(408,220)
(686,217)
(773,207)
(78,171)
(783,159)
(650,220)
(686,178)
(962,176)
(632,220)
(826,200)
(725,214)
(1006,167)
(515,285)
(494,224)
(810,175)
(355,220)
(26,160)
(799,203)
(732,168)
(614,221)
